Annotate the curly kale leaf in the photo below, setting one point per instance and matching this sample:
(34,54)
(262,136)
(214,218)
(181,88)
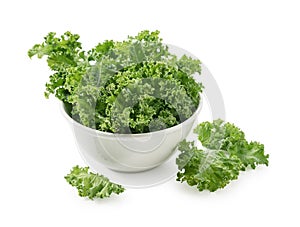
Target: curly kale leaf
(226,136)
(226,152)
(66,58)
(206,170)
(92,185)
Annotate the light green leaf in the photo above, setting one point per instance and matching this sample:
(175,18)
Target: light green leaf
(92,185)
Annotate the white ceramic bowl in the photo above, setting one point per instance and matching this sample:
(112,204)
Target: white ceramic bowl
(130,152)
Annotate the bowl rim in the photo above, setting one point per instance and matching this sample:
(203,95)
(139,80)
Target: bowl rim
(103,133)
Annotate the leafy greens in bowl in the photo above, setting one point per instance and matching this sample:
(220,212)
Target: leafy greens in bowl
(130,103)
(129,87)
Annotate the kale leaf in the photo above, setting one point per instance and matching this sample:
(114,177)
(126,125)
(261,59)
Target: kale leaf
(225,153)
(92,185)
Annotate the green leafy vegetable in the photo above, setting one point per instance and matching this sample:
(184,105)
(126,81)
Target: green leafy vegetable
(66,58)
(92,185)
(209,170)
(226,152)
(133,86)
(219,135)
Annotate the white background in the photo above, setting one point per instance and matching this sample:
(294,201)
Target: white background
(251,47)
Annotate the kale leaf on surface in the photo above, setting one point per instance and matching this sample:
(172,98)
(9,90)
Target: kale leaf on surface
(92,185)
(225,153)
